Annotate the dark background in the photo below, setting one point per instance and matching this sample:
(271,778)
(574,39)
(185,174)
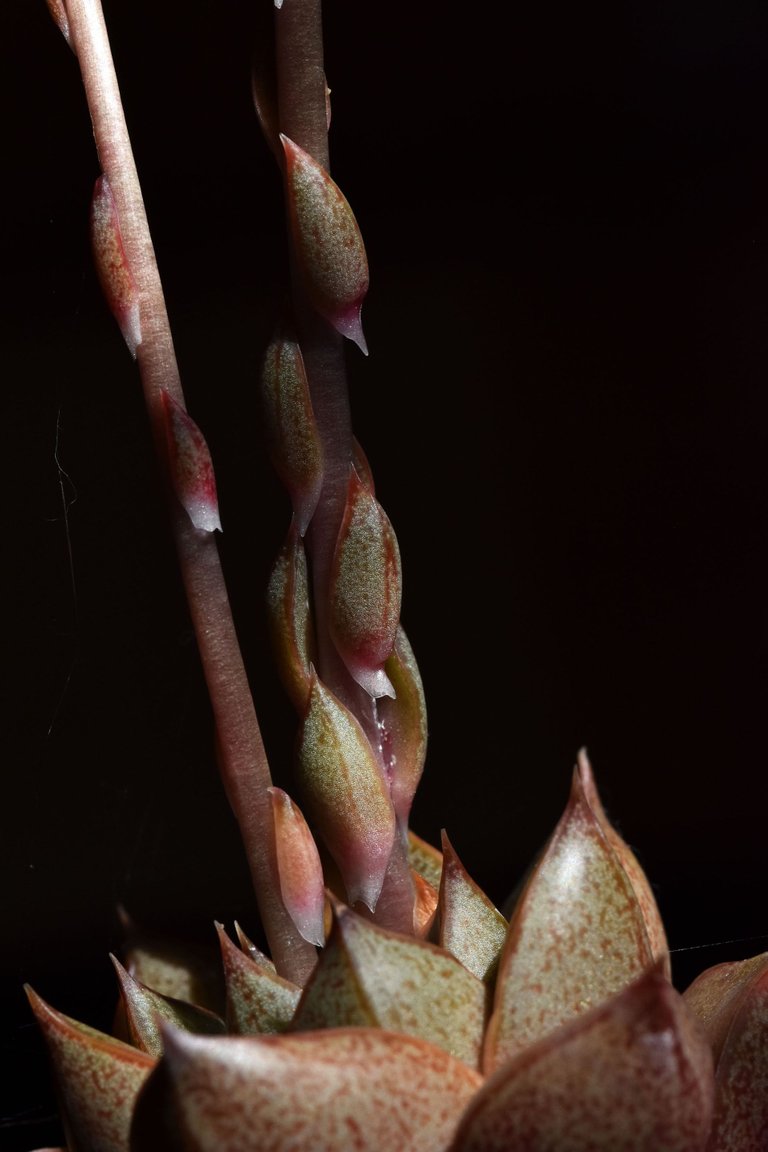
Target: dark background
(566,215)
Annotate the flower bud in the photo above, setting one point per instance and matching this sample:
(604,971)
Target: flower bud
(365,589)
(345,794)
(292,436)
(327,242)
(115,276)
(191,468)
(298,867)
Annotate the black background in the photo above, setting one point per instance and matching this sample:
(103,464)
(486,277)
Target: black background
(566,215)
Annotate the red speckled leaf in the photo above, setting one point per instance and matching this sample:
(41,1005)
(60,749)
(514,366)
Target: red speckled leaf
(345,794)
(191,467)
(290,619)
(299,870)
(367,976)
(634,1075)
(366,590)
(329,248)
(345,1090)
(631,865)
(98,1079)
(425,859)
(258,1000)
(144,1009)
(183,970)
(403,726)
(470,927)
(731,1000)
(576,937)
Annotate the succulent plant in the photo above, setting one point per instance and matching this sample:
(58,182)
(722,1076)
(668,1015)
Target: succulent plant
(400,1008)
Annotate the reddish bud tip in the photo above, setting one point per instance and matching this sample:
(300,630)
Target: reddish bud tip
(191,467)
(299,869)
(115,277)
(327,241)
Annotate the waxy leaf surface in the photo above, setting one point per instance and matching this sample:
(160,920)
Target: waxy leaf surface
(403,726)
(258,1000)
(327,241)
(634,1075)
(345,1090)
(731,1000)
(98,1079)
(370,977)
(191,467)
(653,923)
(144,1009)
(470,927)
(298,867)
(365,589)
(345,794)
(576,937)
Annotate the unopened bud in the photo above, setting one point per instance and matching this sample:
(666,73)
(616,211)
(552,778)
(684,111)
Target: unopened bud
(345,794)
(365,589)
(329,248)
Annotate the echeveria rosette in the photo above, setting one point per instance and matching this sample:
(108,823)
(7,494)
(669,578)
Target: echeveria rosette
(633,1070)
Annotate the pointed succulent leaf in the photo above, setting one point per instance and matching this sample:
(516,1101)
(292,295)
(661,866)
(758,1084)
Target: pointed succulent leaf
(633,1074)
(348,1088)
(362,466)
(59,13)
(97,1078)
(290,619)
(183,970)
(370,977)
(250,949)
(258,1000)
(292,436)
(470,927)
(115,277)
(425,859)
(329,248)
(144,1008)
(731,1002)
(403,726)
(298,867)
(577,936)
(191,467)
(345,794)
(629,862)
(365,589)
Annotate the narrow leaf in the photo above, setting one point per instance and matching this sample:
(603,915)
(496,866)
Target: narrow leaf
(634,1075)
(470,927)
(329,248)
(299,869)
(258,1000)
(576,937)
(345,794)
(292,436)
(365,589)
(144,1008)
(367,976)
(98,1079)
(358,1089)
(425,859)
(180,969)
(191,467)
(59,14)
(115,276)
